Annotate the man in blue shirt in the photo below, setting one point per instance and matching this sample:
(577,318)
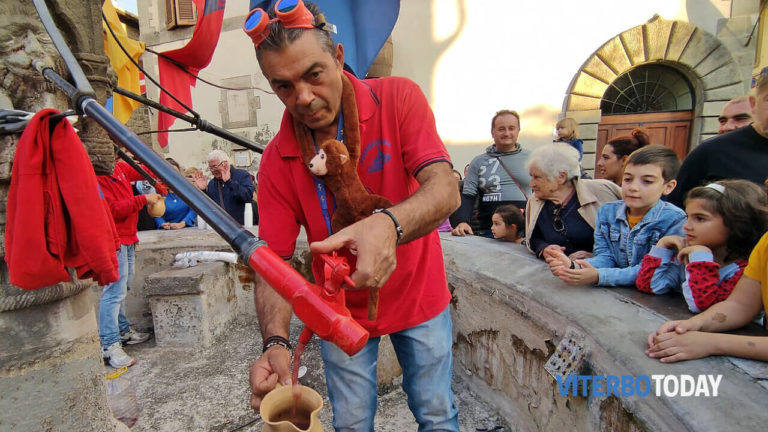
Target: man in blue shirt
(231,188)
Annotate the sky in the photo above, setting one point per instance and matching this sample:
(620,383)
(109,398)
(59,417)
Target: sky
(129,5)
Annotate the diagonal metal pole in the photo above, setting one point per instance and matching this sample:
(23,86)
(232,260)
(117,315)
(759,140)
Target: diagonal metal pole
(200,123)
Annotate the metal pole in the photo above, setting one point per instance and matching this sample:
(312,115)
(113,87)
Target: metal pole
(201,124)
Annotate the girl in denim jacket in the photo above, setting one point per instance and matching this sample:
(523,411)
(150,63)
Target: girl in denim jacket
(626,229)
(725,221)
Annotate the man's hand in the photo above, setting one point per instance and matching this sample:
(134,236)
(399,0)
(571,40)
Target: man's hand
(199,180)
(374,239)
(272,367)
(462,229)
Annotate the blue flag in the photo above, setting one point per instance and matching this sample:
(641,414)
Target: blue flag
(361,26)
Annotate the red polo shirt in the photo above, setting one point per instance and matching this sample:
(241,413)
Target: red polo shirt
(398,138)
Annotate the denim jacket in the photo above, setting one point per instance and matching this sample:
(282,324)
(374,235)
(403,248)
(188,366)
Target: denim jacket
(619,251)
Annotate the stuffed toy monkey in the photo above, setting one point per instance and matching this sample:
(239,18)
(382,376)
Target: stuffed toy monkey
(338,171)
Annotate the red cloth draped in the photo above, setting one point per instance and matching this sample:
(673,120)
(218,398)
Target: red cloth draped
(57,216)
(195,55)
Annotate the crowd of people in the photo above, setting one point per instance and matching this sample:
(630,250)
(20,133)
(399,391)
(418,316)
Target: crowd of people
(648,220)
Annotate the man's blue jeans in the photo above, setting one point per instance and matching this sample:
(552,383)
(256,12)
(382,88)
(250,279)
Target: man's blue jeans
(424,353)
(112,320)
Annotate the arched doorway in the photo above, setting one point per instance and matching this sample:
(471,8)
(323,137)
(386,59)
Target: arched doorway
(653,96)
(708,65)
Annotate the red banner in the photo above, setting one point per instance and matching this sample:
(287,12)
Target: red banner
(195,55)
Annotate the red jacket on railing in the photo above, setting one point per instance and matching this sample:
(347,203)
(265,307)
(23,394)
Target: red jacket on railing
(56,216)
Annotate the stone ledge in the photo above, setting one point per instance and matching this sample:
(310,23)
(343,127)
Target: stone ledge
(510,313)
(183,281)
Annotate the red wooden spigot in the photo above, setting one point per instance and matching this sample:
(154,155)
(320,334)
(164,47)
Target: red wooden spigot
(321,309)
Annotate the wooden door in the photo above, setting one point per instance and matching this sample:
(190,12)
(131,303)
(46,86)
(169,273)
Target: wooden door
(671,129)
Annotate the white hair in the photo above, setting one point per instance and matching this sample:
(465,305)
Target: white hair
(553,159)
(218,155)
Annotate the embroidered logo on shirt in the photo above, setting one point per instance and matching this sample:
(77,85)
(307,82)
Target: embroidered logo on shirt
(378,151)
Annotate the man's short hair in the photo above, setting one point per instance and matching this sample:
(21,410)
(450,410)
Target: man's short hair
(761,81)
(505,112)
(279,37)
(663,157)
(218,155)
(739,99)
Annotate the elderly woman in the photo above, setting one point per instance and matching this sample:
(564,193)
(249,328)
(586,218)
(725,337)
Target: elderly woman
(562,211)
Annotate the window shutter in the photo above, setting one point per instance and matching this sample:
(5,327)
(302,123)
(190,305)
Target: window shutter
(186,13)
(180,13)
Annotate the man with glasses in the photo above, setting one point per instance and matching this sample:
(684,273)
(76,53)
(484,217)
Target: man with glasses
(389,129)
(739,154)
(230,187)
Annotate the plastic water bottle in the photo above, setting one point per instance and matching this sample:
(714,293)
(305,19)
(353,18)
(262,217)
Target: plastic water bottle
(122,397)
(200,222)
(248,216)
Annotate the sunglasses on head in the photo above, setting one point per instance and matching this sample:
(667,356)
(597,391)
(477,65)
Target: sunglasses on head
(290,13)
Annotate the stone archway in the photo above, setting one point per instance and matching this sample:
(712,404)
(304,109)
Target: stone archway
(709,65)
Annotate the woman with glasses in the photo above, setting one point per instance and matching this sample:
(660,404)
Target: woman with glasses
(561,213)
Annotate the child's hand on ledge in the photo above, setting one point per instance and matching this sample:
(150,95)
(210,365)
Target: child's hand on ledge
(580,255)
(672,346)
(579,272)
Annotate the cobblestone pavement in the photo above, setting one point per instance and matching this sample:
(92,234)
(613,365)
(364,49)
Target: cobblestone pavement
(206,389)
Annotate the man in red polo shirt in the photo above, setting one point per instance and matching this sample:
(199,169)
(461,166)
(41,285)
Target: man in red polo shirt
(401,158)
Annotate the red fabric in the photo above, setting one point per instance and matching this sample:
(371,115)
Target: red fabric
(195,55)
(123,205)
(649,265)
(56,216)
(705,285)
(398,137)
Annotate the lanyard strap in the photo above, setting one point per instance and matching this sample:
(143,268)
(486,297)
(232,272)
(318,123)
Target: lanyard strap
(322,193)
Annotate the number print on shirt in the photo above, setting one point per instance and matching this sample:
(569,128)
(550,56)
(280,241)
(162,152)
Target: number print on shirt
(491,183)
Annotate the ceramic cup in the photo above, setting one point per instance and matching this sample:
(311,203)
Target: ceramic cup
(277,411)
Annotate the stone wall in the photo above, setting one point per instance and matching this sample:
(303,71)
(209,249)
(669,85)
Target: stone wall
(510,313)
(51,370)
